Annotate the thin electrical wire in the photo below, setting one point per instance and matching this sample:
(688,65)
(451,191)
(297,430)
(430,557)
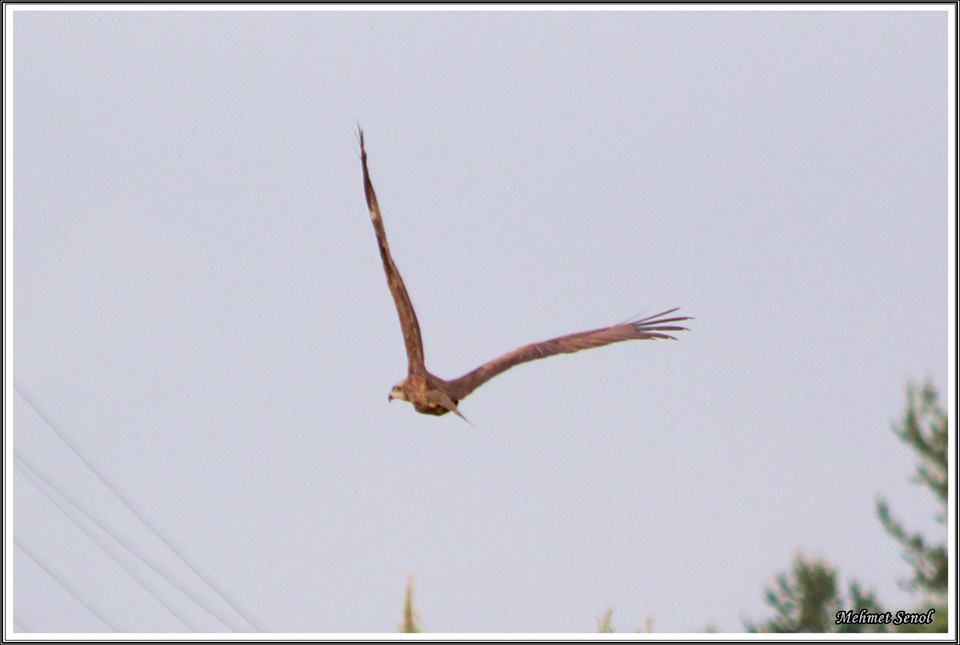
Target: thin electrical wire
(23,467)
(129,505)
(77,505)
(59,580)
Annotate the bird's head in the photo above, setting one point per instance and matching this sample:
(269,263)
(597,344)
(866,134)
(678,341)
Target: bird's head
(396,392)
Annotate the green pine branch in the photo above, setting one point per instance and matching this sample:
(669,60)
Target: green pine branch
(924,429)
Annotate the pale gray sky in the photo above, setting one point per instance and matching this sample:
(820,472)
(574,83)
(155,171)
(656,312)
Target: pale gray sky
(201,313)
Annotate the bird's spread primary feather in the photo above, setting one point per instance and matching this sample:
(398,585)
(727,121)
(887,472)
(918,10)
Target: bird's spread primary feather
(431,394)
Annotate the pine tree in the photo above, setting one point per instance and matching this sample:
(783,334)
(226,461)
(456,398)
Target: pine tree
(924,429)
(807,598)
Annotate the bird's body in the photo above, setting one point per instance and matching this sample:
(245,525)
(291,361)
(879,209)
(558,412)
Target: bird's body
(430,394)
(427,393)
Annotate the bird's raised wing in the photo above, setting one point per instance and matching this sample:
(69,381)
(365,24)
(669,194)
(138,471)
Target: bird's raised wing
(408,317)
(650,327)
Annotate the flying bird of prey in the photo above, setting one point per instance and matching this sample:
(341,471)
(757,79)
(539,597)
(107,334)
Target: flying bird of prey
(431,394)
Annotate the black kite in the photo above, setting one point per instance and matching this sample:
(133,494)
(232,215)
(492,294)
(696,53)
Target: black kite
(431,394)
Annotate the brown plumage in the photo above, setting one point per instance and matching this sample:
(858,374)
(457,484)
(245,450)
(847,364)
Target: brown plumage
(431,394)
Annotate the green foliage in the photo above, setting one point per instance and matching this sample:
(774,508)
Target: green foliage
(924,429)
(807,599)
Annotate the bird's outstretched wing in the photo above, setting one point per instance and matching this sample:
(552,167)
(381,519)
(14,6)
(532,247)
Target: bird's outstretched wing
(650,327)
(408,317)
